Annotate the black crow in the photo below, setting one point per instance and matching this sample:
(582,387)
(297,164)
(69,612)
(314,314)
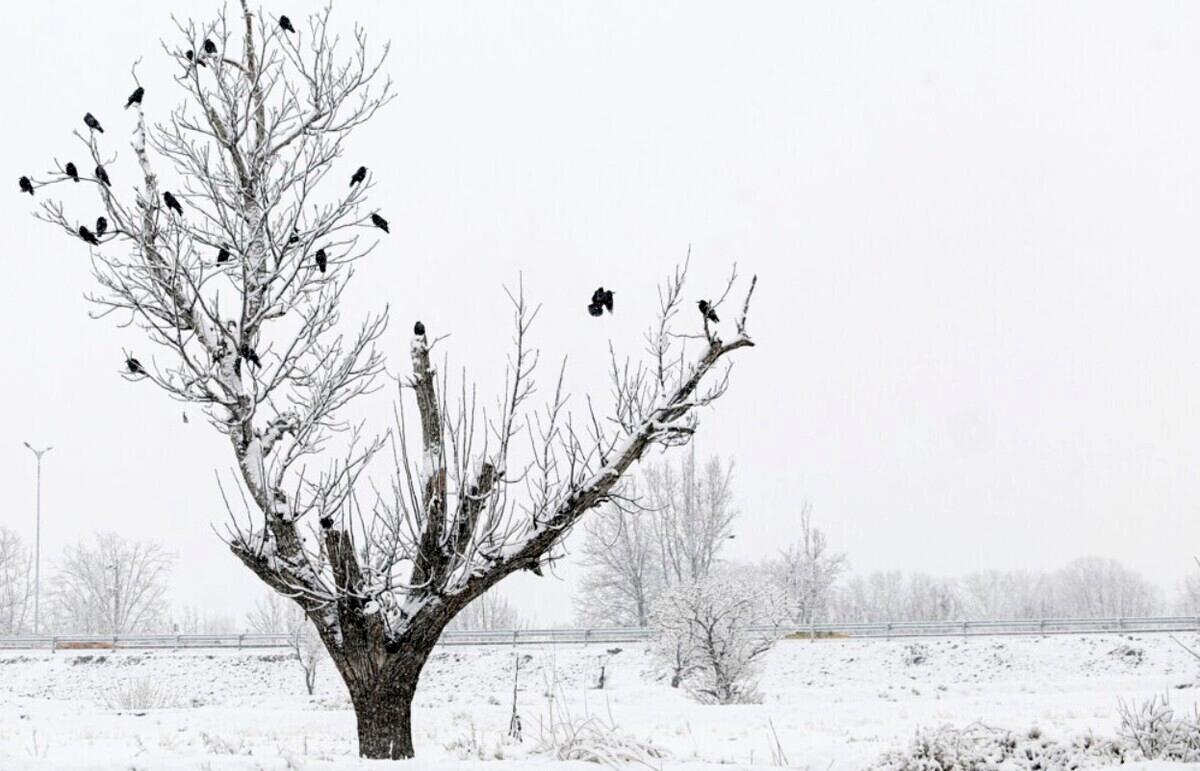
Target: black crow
(101,226)
(708,312)
(321,260)
(249,355)
(419,329)
(602,298)
(135,97)
(135,367)
(191,57)
(380,223)
(26,185)
(92,123)
(222,255)
(102,175)
(209,46)
(285,24)
(72,172)
(172,203)
(326,522)
(295,236)
(359,176)
(598,296)
(87,236)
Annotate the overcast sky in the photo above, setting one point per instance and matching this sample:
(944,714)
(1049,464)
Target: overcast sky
(975,226)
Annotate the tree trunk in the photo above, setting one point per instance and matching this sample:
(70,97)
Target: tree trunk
(385,721)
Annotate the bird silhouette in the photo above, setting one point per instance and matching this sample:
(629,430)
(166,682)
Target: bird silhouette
(608,300)
(380,223)
(135,367)
(326,522)
(102,175)
(596,309)
(419,329)
(707,311)
(87,236)
(92,123)
(72,172)
(249,355)
(285,24)
(135,97)
(601,298)
(26,185)
(321,260)
(191,57)
(359,176)
(295,236)
(172,203)
(209,46)
(101,226)
(222,255)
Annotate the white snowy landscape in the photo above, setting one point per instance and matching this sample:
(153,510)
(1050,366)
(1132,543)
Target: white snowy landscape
(829,704)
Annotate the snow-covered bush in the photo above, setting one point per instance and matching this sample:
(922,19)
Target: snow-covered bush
(1154,730)
(705,637)
(137,694)
(980,748)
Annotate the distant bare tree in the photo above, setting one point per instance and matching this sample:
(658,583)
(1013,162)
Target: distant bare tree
(490,611)
(808,571)
(705,636)
(16,582)
(274,614)
(693,514)
(110,585)
(1096,587)
(623,572)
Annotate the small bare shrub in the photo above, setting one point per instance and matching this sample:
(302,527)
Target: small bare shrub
(138,694)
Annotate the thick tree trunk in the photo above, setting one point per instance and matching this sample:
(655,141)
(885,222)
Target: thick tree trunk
(385,722)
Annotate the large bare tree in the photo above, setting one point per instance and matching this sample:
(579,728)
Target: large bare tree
(237,278)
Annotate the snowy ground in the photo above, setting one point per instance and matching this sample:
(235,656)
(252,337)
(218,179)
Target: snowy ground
(833,704)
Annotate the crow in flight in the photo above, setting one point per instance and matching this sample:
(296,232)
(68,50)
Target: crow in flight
(101,226)
(222,255)
(92,123)
(26,185)
(135,367)
(135,97)
(708,312)
(321,260)
(359,176)
(209,46)
(602,298)
(72,172)
(380,223)
(191,57)
(419,329)
(87,236)
(249,355)
(102,175)
(285,24)
(172,203)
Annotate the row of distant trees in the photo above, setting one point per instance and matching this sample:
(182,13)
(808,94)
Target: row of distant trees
(674,521)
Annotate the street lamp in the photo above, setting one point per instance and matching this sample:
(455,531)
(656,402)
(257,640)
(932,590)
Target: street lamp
(37,539)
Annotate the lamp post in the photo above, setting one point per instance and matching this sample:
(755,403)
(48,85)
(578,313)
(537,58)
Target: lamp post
(37,539)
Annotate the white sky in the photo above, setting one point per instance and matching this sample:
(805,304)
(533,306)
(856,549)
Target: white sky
(974,224)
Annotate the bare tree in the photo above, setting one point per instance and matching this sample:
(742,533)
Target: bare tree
(16,584)
(274,614)
(705,635)
(490,611)
(110,585)
(1094,587)
(623,573)
(808,571)
(693,515)
(237,278)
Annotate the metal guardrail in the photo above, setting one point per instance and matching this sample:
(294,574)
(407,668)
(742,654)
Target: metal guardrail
(611,635)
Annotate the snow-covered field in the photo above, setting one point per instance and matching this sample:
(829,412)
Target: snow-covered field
(828,704)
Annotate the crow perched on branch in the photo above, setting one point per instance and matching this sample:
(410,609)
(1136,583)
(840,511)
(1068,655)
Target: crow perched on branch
(380,223)
(92,123)
(135,367)
(172,203)
(285,24)
(135,97)
(191,57)
(419,329)
(359,176)
(102,175)
(101,226)
(209,46)
(26,185)
(72,172)
(222,255)
(294,237)
(708,312)
(326,522)
(87,236)
(321,260)
(249,355)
